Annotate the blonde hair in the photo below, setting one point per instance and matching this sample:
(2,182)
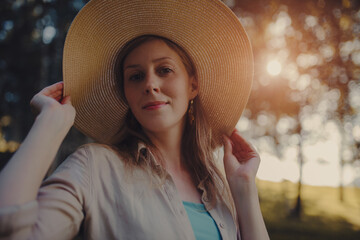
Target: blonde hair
(197,145)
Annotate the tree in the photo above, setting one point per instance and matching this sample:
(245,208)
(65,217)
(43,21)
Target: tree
(314,42)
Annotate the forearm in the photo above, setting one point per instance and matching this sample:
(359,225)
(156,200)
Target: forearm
(251,222)
(22,176)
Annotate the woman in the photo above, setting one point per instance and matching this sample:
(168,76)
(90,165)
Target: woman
(148,100)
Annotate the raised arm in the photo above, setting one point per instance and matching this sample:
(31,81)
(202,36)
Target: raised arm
(241,163)
(22,176)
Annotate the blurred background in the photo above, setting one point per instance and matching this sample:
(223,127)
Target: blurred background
(303,115)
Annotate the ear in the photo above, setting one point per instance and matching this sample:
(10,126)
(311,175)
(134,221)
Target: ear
(194,87)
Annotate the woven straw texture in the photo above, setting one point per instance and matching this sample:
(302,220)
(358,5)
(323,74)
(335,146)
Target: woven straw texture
(207,29)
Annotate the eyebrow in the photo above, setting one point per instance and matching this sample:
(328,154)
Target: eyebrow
(154,61)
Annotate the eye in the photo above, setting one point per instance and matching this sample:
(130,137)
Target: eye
(136,77)
(165,70)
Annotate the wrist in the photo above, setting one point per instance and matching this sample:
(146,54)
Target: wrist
(54,120)
(242,182)
(243,189)
(49,128)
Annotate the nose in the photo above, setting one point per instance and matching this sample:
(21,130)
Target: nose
(151,83)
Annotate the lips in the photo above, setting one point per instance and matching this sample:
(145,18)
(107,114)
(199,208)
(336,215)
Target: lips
(154,105)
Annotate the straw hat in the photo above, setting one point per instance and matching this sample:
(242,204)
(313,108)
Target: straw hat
(206,29)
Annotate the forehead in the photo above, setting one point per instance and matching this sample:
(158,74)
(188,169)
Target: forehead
(151,50)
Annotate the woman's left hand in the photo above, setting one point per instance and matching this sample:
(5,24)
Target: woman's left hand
(241,161)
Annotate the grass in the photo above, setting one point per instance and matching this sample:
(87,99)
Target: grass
(323,215)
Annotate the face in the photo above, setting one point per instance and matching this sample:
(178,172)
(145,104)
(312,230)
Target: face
(157,86)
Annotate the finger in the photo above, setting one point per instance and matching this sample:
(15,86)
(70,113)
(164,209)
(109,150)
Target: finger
(227,145)
(56,94)
(230,162)
(50,89)
(240,144)
(242,149)
(239,140)
(66,100)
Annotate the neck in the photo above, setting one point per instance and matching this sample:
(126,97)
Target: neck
(169,144)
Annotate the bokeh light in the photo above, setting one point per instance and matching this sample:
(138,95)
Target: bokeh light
(274,67)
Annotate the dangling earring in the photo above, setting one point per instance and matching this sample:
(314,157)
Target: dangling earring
(191,112)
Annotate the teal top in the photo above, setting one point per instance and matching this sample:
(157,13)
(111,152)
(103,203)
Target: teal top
(203,224)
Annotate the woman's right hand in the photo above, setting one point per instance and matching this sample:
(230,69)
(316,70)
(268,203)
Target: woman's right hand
(22,176)
(50,100)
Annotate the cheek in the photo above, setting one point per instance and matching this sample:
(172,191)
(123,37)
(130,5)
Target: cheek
(182,98)
(129,93)
(183,92)
(179,86)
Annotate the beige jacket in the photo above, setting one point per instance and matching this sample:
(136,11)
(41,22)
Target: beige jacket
(92,188)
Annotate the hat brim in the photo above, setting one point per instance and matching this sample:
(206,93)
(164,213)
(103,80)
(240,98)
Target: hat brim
(206,29)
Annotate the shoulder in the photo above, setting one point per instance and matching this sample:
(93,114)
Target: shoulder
(92,155)
(101,157)
(90,163)
(97,152)
(97,149)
